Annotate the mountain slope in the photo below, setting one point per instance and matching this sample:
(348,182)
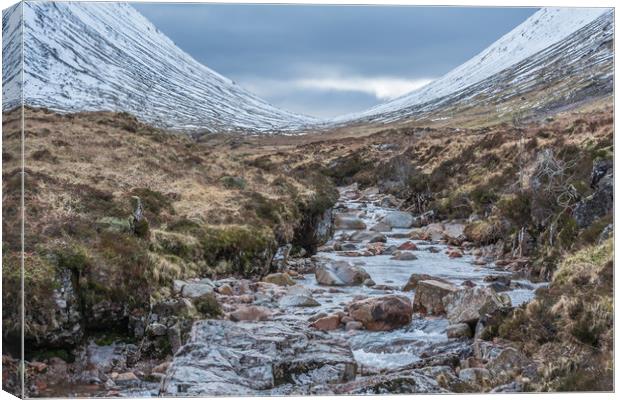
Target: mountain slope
(107,56)
(517,62)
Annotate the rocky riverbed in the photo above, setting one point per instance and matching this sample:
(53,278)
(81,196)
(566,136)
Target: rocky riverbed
(391,304)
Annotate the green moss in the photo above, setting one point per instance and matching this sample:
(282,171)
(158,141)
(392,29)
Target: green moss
(248,249)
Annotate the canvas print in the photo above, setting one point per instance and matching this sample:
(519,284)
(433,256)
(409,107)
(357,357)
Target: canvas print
(212,199)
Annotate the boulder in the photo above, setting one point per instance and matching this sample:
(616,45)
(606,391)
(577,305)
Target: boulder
(328,323)
(194,290)
(300,298)
(398,219)
(340,273)
(348,223)
(250,313)
(403,256)
(412,283)
(280,279)
(370,237)
(381,313)
(223,358)
(454,233)
(408,245)
(469,304)
(429,296)
(381,227)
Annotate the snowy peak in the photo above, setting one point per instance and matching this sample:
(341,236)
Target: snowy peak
(543,29)
(107,56)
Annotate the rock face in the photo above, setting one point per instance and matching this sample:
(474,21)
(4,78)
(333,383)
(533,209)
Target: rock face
(348,222)
(601,202)
(405,382)
(414,279)
(470,304)
(429,296)
(382,313)
(235,359)
(398,219)
(340,273)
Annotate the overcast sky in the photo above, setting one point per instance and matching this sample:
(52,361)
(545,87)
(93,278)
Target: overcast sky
(331,60)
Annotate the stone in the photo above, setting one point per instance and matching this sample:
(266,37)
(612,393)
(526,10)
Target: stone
(408,245)
(328,323)
(468,305)
(250,313)
(223,358)
(381,227)
(298,300)
(369,282)
(455,253)
(348,223)
(367,236)
(459,331)
(453,233)
(340,273)
(382,313)
(402,382)
(280,279)
(412,283)
(398,219)
(194,290)
(403,256)
(429,296)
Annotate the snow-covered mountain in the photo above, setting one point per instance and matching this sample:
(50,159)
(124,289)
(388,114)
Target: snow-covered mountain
(107,56)
(572,35)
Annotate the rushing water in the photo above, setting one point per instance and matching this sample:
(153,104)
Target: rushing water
(400,347)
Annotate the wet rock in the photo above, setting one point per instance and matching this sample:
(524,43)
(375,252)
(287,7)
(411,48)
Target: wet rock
(468,283)
(369,282)
(381,227)
(317,316)
(224,358)
(381,313)
(340,273)
(389,250)
(328,323)
(250,313)
(404,382)
(455,254)
(403,256)
(398,219)
(347,246)
(429,296)
(468,305)
(432,249)
(370,237)
(458,331)
(375,248)
(280,279)
(299,299)
(414,279)
(348,223)
(408,246)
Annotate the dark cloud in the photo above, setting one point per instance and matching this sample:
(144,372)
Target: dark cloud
(257,45)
